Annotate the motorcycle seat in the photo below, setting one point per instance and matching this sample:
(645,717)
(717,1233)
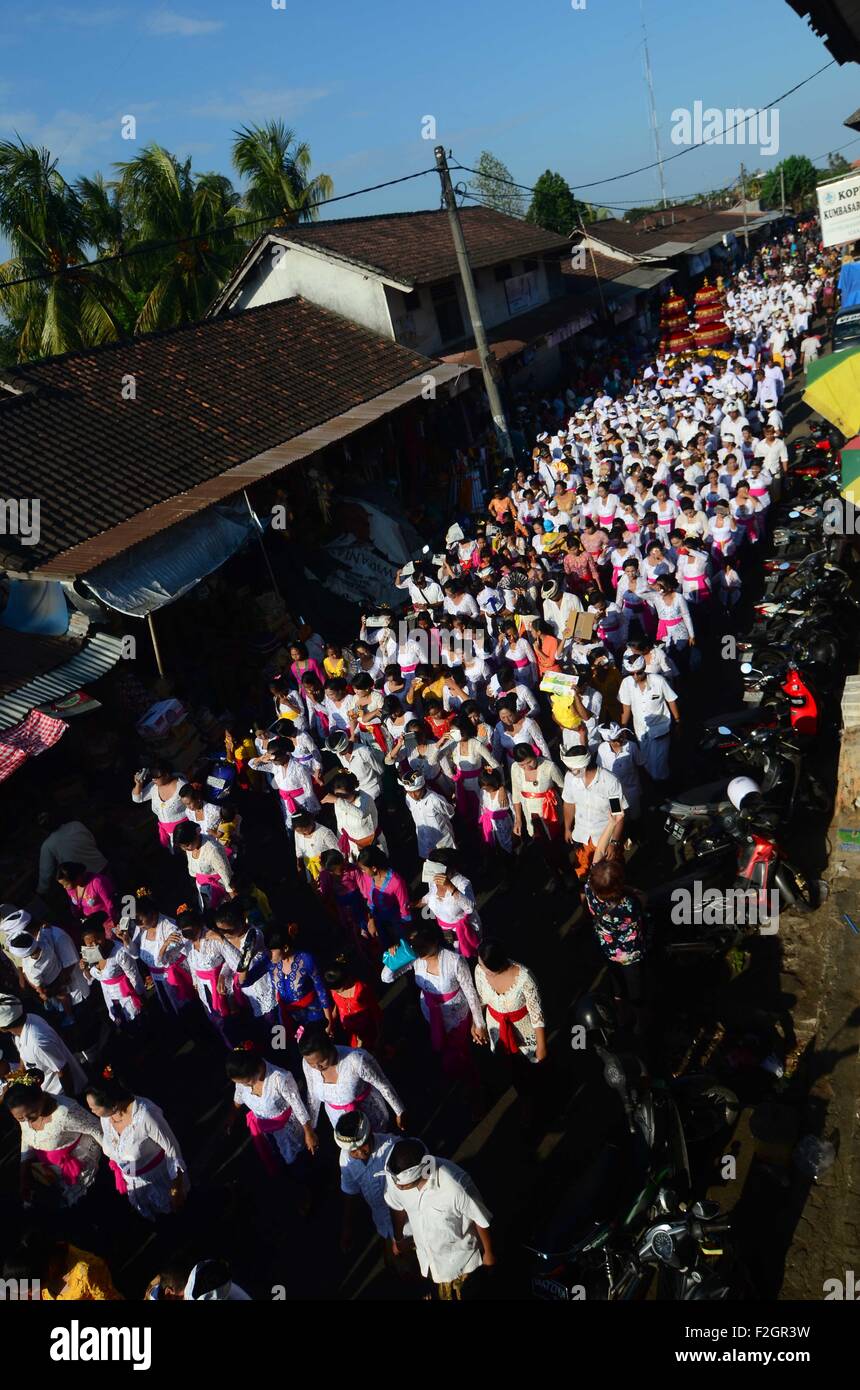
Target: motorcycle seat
(591,1200)
(708,795)
(751,714)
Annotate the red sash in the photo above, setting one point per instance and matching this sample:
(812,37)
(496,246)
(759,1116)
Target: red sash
(507,1036)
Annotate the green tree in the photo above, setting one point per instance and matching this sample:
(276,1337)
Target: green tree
(553,205)
(836,164)
(493,185)
(277,167)
(166,203)
(42,216)
(801,177)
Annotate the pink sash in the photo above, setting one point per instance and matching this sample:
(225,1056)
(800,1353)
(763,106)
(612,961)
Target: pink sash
(700,581)
(63,1159)
(260,1127)
(292,798)
(352,1104)
(437,1023)
(126,990)
(758,492)
(486,820)
(218,893)
(176,975)
(465,796)
(663,625)
(119,1175)
(218,1001)
(467,939)
(166,829)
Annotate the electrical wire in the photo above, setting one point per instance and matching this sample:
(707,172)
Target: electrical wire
(644,168)
(148,248)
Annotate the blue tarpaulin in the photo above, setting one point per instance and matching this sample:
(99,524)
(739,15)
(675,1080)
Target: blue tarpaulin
(36,605)
(160,570)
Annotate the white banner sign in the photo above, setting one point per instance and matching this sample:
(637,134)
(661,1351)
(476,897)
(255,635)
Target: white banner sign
(839,210)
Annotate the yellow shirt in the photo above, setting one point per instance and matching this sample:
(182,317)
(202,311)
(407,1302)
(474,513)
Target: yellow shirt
(84,1277)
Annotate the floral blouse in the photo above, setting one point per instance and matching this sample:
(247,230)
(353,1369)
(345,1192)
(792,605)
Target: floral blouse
(619,926)
(302,977)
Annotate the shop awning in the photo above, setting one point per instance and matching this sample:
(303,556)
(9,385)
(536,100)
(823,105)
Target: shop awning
(160,570)
(643,278)
(98,655)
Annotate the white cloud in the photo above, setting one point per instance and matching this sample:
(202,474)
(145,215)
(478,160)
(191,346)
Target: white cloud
(259,104)
(76,16)
(75,138)
(169,22)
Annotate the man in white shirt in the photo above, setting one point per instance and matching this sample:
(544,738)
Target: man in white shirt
(772,452)
(432,814)
(809,350)
(594,804)
(650,703)
(363,1155)
(448,1220)
(67,843)
(423,590)
(39,1046)
(366,763)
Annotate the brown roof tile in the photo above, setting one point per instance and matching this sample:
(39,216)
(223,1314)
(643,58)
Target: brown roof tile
(207,398)
(416,248)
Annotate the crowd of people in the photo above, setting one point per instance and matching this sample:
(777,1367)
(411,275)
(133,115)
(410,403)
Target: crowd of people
(519,710)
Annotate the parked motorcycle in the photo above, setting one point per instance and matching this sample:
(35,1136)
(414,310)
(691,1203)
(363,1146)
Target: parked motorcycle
(587,1245)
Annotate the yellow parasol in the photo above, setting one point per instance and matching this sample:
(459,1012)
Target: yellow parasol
(833,389)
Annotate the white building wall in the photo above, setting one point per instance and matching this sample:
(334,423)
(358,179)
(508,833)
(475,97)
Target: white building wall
(283,272)
(417,326)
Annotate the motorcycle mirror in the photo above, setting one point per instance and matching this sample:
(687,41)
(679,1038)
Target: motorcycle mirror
(726,733)
(792,516)
(705,1210)
(785,565)
(746,668)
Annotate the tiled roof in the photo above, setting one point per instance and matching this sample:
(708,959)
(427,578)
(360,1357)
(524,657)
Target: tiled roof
(690,225)
(207,398)
(415,248)
(599,264)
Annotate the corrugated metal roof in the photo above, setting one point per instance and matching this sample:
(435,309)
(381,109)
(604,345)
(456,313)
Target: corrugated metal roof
(98,656)
(644,278)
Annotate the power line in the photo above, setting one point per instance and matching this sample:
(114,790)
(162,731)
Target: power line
(644,168)
(148,248)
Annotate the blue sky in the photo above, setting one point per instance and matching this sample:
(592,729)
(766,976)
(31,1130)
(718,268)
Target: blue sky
(539,83)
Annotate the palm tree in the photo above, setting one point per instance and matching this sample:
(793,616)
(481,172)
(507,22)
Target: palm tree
(185,221)
(277,166)
(62,308)
(104,214)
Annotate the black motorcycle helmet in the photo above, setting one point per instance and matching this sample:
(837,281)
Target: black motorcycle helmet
(594,1015)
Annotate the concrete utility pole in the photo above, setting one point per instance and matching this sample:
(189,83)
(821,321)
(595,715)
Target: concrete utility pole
(782,188)
(744,197)
(488,366)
